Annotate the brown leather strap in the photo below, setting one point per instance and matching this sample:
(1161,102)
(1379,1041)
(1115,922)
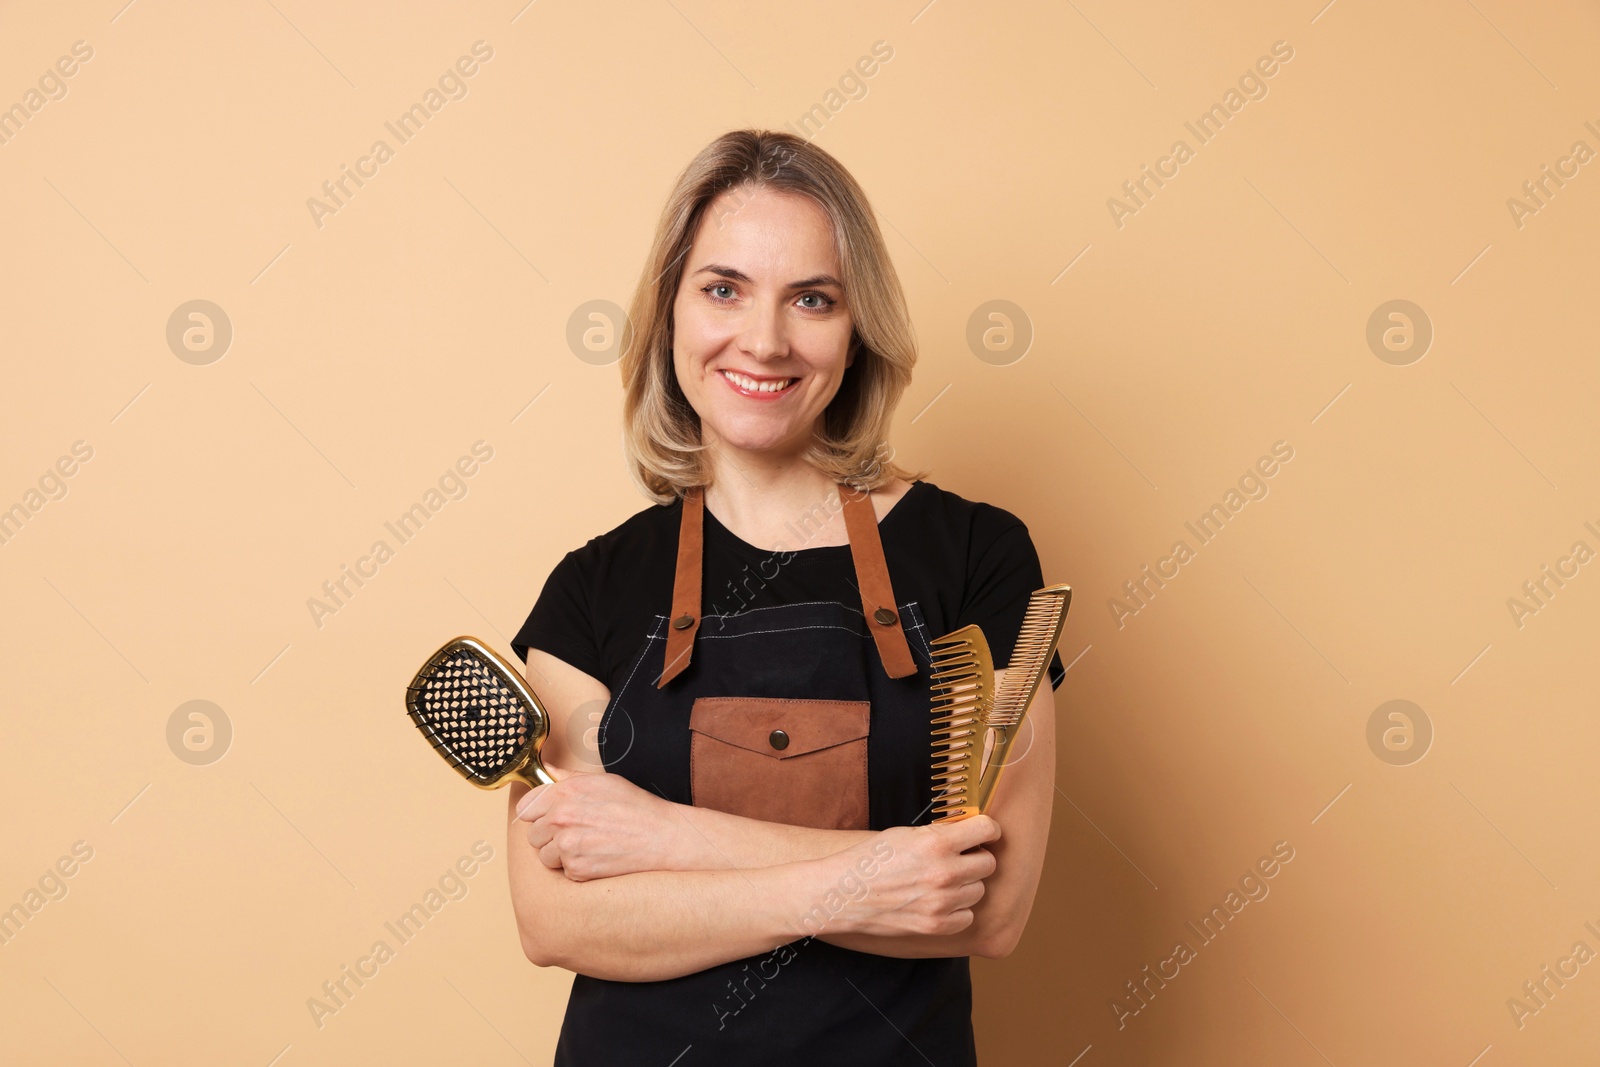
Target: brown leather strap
(685,621)
(872,575)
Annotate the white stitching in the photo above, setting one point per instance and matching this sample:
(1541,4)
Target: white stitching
(919,628)
(617,702)
(771,607)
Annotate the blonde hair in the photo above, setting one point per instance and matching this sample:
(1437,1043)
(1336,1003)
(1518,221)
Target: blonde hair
(661,435)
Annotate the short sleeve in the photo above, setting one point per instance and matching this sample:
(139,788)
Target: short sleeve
(561,622)
(999,581)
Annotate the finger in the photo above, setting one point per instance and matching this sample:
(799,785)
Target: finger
(558,773)
(987,826)
(535,804)
(967,833)
(550,856)
(960,920)
(539,835)
(976,865)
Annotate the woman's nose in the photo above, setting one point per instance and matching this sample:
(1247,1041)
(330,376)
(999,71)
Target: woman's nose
(763,334)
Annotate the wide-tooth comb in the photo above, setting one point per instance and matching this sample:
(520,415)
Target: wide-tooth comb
(967,706)
(479,714)
(963,684)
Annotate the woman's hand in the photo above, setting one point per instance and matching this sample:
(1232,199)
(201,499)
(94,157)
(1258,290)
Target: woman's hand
(911,879)
(600,825)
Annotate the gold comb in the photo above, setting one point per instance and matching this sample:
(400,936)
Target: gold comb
(963,685)
(967,706)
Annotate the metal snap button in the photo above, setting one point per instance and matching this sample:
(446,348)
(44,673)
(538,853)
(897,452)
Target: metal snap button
(885,616)
(779,740)
(683,622)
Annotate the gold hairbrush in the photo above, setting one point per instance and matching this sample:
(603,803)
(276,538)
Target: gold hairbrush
(478,713)
(967,707)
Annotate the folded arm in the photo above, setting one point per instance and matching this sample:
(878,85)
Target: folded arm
(597,863)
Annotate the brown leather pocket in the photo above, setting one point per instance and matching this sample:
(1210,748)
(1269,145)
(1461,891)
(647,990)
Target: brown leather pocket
(800,762)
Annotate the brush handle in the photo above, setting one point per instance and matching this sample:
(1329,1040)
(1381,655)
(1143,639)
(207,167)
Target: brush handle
(533,774)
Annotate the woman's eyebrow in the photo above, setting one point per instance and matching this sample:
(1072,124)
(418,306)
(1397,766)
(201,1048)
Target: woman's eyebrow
(737,275)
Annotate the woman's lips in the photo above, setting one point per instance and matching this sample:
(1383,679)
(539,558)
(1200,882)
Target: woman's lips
(765,388)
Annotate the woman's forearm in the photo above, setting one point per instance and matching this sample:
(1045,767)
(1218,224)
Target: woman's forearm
(653,925)
(711,840)
(719,841)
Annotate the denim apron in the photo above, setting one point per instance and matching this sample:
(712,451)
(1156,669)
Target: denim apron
(815,714)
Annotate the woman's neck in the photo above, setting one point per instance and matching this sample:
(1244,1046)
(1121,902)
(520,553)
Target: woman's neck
(763,499)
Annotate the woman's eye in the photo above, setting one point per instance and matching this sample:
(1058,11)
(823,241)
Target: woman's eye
(722,293)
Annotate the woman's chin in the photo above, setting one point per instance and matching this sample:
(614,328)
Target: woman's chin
(760,440)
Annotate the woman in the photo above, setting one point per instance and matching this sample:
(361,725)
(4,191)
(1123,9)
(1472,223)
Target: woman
(753,880)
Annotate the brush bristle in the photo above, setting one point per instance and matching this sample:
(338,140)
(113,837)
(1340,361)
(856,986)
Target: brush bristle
(471,715)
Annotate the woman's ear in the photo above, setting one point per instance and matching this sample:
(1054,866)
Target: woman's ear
(850,356)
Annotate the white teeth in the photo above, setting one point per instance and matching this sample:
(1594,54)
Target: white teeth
(754,386)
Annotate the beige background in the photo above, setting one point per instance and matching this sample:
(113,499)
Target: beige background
(1228,313)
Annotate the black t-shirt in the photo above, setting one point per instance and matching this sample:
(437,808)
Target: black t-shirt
(962,561)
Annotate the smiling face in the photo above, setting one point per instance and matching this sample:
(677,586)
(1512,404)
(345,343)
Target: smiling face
(761,327)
